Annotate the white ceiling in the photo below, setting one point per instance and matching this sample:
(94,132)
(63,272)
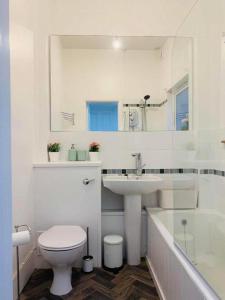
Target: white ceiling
(122,17)
(106,42)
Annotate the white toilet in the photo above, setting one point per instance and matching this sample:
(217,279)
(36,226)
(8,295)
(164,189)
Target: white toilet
(61,246)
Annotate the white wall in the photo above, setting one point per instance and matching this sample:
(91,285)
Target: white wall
(56,81)
(206,24)
(113,223)
(182,59)
(143,17)
(22,111)
(159,149)
(66,200)
(100,17)
(176,63)
(74,17)
(5,158)
(107,75)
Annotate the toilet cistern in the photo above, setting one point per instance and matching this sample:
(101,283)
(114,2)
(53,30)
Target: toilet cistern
(138,163)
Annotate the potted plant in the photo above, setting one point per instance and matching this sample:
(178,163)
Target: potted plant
(94,151)
(53,152)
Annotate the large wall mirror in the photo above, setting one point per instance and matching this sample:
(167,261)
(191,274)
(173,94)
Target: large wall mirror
(104,83)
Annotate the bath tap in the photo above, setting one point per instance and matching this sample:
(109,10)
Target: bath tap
(139,166)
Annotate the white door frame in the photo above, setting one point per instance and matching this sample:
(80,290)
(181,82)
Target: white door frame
(5,158)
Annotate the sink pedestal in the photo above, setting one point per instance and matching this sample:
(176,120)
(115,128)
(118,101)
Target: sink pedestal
(133,228)
(132,187)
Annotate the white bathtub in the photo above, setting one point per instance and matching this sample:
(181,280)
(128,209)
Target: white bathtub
(175,276)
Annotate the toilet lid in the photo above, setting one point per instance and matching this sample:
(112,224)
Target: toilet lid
(62,237)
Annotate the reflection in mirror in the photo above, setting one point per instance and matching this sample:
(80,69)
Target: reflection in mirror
(103,83)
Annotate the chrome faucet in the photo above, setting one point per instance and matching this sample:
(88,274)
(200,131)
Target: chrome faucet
(139,166)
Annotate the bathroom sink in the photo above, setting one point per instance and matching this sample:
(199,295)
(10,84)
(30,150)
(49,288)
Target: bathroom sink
(132,187)
(132,184)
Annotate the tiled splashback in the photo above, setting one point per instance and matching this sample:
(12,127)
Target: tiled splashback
(159,149)
(211,186)
(150,171)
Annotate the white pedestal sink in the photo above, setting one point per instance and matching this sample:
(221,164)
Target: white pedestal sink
(132,187)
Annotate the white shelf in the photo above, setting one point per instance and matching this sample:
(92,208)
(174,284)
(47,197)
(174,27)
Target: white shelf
(67,164)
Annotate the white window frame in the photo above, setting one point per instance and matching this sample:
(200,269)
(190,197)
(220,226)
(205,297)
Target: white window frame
(182,84)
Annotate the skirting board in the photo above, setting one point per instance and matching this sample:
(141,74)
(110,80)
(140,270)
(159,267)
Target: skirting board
(26,269)
(155,279)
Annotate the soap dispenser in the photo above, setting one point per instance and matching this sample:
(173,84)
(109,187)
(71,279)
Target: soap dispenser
(72,153)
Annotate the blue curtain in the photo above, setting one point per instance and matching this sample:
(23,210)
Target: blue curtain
(102,116)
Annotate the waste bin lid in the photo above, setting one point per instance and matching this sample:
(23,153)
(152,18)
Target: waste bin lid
(113,239)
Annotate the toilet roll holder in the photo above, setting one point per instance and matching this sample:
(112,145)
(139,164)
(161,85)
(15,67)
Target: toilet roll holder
(17,227)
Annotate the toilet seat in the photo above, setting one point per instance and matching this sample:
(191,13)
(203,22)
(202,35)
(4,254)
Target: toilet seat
(62,238)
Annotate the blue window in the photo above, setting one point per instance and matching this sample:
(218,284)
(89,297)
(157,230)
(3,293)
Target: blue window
(102,116)
(182,110)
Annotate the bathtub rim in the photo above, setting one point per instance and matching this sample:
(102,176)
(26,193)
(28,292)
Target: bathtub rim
(204,287)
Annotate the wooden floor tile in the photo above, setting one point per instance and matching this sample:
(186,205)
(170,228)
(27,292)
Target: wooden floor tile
(131,283)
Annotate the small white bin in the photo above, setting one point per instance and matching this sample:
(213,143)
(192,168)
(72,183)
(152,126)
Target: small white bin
(113,251)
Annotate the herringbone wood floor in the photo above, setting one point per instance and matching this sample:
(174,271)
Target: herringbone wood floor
(130,283)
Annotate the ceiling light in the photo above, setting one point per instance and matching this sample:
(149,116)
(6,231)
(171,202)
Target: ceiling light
(116,43)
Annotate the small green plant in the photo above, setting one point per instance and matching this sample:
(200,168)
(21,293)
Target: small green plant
(94,147)
(55,147)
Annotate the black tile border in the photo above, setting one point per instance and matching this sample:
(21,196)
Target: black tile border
(166,171)
(150,171)
(212,172)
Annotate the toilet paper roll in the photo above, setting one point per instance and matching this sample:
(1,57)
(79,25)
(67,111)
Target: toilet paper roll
(20,238)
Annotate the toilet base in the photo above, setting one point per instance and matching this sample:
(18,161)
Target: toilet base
(61,284)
